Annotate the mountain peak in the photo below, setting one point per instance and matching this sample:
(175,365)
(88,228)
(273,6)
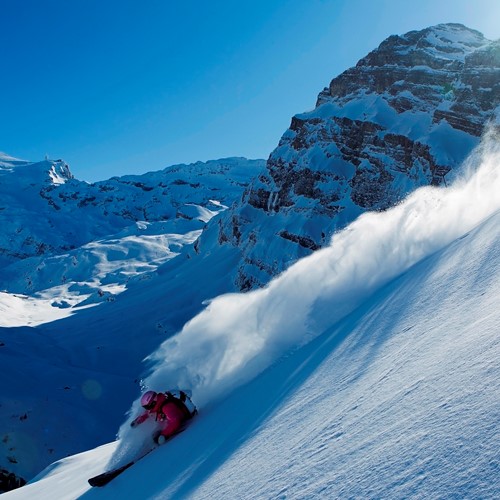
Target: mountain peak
(436,46)
(40,173)
(58,171)
(405,116)
(450,33)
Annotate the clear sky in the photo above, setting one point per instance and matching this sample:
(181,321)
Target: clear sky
(130,86)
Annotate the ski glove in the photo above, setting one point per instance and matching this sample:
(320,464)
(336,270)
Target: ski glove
(139,420)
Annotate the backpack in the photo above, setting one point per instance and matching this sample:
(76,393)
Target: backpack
(183,402)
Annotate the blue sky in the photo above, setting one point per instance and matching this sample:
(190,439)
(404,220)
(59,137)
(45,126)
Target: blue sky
(120,87)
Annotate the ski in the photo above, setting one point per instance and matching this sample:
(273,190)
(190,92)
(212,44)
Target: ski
(104,478)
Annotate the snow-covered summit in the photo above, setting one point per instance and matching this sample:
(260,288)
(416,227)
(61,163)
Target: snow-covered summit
(437,46)
(19,173)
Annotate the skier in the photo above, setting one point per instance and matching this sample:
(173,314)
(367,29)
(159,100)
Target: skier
(171,409)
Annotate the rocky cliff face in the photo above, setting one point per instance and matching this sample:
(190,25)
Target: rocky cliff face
(405,116)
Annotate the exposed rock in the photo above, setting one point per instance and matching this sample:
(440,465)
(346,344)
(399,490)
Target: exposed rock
(9,481)
(405,116)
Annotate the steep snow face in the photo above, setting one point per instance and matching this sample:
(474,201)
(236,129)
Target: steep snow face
(236,336)
(89,240)
(405,116)
(399,399)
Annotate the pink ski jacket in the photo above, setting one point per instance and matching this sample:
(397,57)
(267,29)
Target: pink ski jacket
(168,412)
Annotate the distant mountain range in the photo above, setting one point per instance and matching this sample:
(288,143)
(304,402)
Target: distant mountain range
(59,231)
(405,116)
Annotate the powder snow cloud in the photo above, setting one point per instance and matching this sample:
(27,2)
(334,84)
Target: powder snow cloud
(238,335)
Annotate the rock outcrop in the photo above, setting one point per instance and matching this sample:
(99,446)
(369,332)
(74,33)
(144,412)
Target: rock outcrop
(405,116)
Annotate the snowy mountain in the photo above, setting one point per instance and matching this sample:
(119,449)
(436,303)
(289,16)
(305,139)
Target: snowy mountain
(405,116)
(346,325)
(368,369)
(89,240)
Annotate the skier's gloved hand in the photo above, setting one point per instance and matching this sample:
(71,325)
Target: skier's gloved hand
(139,420)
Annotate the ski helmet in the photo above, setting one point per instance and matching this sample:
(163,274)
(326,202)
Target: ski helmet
(148,399)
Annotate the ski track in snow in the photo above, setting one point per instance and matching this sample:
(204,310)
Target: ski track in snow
(239,335)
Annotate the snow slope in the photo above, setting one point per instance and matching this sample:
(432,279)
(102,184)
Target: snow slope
(368,370)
